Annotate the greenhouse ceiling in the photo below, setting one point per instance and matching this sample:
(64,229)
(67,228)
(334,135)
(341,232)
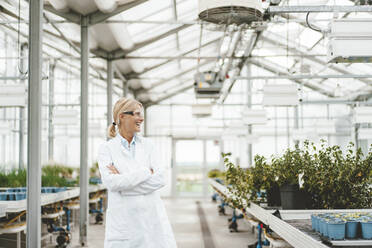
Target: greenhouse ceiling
(157,47)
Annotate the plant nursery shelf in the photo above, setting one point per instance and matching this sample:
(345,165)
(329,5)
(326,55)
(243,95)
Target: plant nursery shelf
(46,199)
(295,225)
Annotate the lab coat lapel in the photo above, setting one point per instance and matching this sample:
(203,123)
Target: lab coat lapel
(120,147)
(140,151)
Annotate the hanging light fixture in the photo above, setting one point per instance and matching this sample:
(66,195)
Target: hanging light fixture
(280,95)
(13,95)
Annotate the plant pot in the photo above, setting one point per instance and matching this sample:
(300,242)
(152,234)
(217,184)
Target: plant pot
(273,196)
(289,196)
(321,226)
(352,229)
(11,196)
(325,228)
(315,222)
(366,230)
(3,196)
(336,230)
(20,196)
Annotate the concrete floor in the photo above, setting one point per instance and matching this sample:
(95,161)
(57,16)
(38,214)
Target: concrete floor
(185,221)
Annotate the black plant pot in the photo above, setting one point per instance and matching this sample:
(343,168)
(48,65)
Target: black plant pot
(289,196)
(273,196)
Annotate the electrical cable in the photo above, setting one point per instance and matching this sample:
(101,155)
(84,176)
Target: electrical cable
(308,24)
(18,41)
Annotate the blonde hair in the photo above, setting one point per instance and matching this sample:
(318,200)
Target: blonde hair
(121,105)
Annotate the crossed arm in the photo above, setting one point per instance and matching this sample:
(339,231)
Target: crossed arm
(144,180)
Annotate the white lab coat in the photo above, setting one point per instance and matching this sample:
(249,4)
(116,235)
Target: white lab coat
(136,216)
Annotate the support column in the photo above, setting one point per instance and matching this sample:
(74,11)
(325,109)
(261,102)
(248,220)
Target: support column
(296,122)
(249,105)
(52,66)
(34,125)
(84,194)
(109,91)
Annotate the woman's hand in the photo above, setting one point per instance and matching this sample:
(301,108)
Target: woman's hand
(113,169)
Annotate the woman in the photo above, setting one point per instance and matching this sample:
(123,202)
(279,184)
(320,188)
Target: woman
(136,217)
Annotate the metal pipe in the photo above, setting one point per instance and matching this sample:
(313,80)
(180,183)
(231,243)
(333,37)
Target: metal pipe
(22,114)
(218,57)
(52,67)
(170,22)
(249,105)
(296,122)
(109,92)
(34,125)
(319,8)
(307,76)
(84,201)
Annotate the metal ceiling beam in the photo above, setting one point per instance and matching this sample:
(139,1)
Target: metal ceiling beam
(98,16)
(120,53)
(215,57)
(247,53)
(170,59)
(294,49)
(274,69)
(174,8)
(71,16)
(318,9)
(68,55)
(169,95)
(176,76)
(307,76)
(95,17)
(61,34)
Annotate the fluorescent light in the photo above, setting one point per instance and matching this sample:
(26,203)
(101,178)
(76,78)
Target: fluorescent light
(12,95)
(254,116)
(362,115)
(201,110)
(280,95)
(66,117)
(365,133)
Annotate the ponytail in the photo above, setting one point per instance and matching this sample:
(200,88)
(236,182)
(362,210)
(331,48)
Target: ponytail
(111,131)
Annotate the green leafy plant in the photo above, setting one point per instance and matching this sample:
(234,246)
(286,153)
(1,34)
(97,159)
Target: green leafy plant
(216,173)
(262,176)
(238,181)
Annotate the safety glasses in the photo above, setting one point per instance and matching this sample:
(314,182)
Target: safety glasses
(134,113)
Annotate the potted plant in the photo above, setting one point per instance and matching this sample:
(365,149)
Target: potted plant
(238,181)
(263,178)
(287,170)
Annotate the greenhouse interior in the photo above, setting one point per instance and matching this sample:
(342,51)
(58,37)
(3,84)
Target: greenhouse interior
(209,123)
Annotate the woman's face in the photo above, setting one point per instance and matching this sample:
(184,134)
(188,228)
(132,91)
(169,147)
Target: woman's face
(131,121)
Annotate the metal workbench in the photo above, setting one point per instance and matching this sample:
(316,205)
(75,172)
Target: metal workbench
(48,198)
(295,225)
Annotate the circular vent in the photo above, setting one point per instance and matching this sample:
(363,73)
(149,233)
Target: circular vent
(230,12)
